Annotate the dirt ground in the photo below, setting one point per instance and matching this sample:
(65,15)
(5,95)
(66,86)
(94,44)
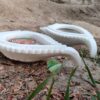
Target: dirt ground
(18,79)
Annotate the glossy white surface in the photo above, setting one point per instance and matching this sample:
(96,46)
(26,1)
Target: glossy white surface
(71,35)
(31,53)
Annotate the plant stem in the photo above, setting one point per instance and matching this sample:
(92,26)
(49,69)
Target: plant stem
(50,90)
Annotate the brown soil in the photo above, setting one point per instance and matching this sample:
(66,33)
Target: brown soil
(18,79)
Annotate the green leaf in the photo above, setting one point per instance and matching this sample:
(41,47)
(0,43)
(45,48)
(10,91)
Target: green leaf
(89,72)
(54,66)
(52,62)
(98,95)
(50,90)
(67,94)
(92,79)
(97,82)
(38,89)
(93,98)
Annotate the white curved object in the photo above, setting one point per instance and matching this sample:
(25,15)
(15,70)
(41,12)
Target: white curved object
(71,35)
(34,52)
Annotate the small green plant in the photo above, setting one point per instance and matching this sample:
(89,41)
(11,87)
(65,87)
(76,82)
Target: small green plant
(50,90)
(67,93)
(84,53)
(93,82)
(38,89)
(54,67)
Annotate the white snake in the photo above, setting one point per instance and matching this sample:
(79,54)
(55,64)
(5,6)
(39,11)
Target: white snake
(78,35)
(31,53)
